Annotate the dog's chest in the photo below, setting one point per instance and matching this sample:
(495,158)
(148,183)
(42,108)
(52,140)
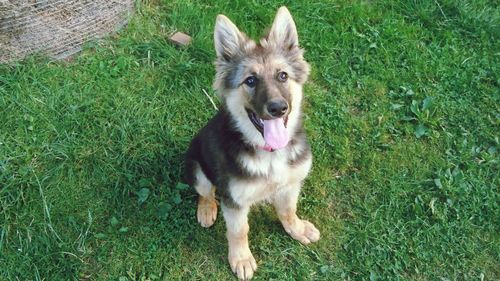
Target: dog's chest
(270,173)
(273,166)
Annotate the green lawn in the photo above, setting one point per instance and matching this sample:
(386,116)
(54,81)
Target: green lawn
(402,110)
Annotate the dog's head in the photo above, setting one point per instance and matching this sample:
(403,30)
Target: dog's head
(261,83)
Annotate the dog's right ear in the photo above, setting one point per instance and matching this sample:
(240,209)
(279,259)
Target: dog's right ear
(283,31)
(228,39)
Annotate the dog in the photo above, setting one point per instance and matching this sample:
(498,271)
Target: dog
(255,148)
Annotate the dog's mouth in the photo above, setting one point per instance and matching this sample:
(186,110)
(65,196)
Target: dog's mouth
(274,131)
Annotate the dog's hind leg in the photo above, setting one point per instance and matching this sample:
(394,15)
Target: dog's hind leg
(207,205)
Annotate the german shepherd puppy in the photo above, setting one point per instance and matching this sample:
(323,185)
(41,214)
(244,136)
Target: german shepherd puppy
(255,148)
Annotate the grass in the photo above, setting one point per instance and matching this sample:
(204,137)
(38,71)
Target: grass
(402,110)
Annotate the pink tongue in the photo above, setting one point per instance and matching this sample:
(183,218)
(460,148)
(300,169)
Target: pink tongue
(275,133)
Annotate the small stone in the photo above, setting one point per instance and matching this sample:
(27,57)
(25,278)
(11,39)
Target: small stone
(181,39)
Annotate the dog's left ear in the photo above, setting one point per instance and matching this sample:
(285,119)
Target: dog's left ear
(283,32)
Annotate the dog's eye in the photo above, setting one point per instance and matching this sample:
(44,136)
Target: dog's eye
(251,81)
(282,76)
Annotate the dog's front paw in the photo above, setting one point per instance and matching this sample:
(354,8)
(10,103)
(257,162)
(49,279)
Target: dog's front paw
(303,231)
(243,265)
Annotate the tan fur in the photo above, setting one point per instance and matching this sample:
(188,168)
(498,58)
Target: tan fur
(207,211)
(275,179)
(285,204)
(240,258)
(207,205)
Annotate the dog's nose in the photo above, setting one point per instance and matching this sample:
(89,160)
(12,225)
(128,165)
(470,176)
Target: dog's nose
(277,108)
